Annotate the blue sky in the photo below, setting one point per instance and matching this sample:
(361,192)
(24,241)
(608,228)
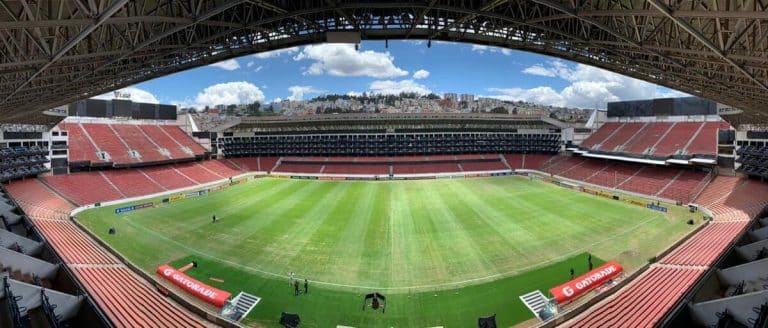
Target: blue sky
(304,72)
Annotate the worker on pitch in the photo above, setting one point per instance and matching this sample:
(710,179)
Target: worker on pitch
(213,218)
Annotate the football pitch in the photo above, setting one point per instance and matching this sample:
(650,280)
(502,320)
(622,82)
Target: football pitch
(444,252)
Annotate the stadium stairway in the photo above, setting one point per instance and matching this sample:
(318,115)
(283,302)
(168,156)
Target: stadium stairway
(109,142)
(175,149)
(603,133)
(136,140)
(167,177)
(182,138)
(646,140)
(123,296)
(82,148)
(646,300)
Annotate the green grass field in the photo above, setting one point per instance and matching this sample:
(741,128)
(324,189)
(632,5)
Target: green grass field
(443,251)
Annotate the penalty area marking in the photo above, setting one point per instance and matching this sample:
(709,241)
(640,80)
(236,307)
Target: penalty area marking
(447,284)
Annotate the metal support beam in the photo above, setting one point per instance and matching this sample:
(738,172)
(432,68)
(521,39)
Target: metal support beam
(706,42)
(111,10)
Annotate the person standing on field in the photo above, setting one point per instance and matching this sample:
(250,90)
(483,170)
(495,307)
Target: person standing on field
(306,286)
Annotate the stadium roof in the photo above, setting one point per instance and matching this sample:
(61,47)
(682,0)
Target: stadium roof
(54,52)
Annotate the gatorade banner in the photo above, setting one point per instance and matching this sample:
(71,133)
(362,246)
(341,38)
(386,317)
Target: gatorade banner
(586,282)
(200,290)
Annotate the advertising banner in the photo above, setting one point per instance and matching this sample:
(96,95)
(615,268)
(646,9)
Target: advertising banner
(586,282)
(657,208)
(133,207)
(175,198)
(200,290)
(123,209)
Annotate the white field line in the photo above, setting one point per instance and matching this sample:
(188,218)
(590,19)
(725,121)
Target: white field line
(419,287)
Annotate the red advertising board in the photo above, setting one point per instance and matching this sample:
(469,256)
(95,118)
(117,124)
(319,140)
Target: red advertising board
(200,290)
(586,282)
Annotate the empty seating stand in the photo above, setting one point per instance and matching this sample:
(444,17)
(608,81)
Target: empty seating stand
(92,187)
(39,201)
(83,188)
(676,184)
(133,183)
(165,141)
(109,142)
(168,177)
(676,139)
(656,139)
(645,301)
(197,173)
(122,144)
(183,139)
(599,136)
(123,297)
(81,149)
(22,162)
(383,165)
(144,147)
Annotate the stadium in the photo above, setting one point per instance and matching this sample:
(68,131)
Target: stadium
(120,213)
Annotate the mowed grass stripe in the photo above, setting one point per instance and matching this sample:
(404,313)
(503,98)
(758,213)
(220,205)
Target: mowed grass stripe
(317,249)
(410,249)
(281,239)
(458,248)
(488,242)
(376,246)
(297,237)
(399,234)
(348,258)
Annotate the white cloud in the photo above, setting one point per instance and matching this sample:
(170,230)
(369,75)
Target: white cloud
(250,63)
(483,49)
(258,68)
(421,74)
(539,70)
(229,93)
(344,60)
(354,94)
(277,100)
(298,91)
(227,65)
(396,87)
(588,87)
(137,95)
(539,95)
(276,53)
